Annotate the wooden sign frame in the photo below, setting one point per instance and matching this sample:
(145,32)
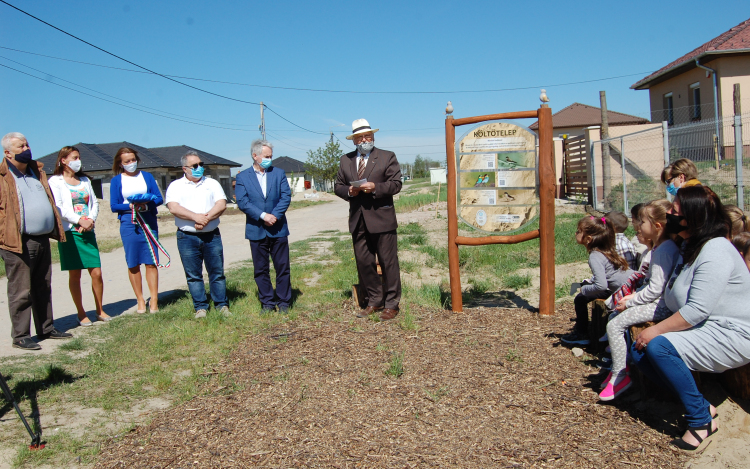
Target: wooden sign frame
(546,231)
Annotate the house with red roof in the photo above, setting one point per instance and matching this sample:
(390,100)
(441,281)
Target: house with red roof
(699,85)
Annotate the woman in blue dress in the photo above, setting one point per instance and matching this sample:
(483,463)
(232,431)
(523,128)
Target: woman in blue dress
(130,181)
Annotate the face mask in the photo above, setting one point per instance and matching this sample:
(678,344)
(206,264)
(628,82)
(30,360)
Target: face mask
(24,157)
(131,167)
(365,147)
(673,224)
(672,189)
(75,165)
(197,173)
(266,163)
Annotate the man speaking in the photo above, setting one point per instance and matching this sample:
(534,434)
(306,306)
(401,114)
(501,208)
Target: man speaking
(369,178)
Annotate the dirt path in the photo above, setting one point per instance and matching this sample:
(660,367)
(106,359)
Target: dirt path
(118,295)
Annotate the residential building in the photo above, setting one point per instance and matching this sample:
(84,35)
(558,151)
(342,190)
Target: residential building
(571,120)
(295,173)
(699,85)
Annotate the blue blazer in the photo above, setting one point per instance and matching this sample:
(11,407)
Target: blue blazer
(251,201)
(121,206)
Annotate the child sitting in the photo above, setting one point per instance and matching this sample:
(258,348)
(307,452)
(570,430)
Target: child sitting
(609,268)
(645,304)
(637,241)
(742,243)
(739,221)
(623,245)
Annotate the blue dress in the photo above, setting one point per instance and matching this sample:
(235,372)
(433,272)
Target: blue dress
(134,241)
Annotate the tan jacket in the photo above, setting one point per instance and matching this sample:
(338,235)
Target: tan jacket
(10,212)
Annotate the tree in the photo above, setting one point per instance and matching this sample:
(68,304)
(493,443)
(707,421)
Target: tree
(323,163)
(422,166)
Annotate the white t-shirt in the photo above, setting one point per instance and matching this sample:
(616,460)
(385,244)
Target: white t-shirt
(198,197)
(132,186)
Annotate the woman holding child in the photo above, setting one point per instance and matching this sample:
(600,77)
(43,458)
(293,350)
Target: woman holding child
(710,329)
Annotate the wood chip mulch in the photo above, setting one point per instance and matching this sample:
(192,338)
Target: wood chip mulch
(491,387)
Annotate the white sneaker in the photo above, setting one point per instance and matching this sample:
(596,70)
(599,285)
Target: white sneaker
(225,311)
(201,313)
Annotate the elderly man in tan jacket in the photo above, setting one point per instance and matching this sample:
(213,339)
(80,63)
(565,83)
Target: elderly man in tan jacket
(28,218)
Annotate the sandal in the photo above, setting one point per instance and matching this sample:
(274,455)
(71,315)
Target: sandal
(685,446)
(152,311)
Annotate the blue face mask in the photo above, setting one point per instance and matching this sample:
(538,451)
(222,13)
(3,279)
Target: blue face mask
(266,163)
(672,189)
(197,173)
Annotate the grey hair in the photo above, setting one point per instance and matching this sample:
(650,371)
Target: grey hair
(183,160)
(11,136)
(257,146)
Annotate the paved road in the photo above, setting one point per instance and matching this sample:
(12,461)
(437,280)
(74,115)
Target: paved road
(118,294)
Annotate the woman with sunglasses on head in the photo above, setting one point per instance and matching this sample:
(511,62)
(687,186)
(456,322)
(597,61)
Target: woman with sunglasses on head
(78,207)
(710,329)
(129,182)
(681,173)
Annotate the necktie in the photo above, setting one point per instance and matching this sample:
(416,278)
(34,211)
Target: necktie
(361,168)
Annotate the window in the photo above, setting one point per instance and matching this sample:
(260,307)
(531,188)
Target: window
(694,96)
(668,109)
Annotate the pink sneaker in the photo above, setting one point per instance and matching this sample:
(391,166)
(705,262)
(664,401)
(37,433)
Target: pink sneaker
(610,392)
(606,381)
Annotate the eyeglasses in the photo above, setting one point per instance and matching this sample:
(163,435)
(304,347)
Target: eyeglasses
(195,166)
(368,137)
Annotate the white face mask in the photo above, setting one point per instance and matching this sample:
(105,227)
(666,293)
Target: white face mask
(75,165)
(131,167)
(365,147)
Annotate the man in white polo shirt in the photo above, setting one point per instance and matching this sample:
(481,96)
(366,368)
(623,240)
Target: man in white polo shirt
(196,203)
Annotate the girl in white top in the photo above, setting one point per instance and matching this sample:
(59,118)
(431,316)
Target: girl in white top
(78,207)
(646,304)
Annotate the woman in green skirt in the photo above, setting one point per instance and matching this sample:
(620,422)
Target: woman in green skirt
(78,209)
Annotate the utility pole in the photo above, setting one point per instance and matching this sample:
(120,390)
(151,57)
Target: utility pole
(738,149)
(606,162)
(262,126)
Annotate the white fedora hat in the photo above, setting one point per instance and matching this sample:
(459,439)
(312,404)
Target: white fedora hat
(360,126)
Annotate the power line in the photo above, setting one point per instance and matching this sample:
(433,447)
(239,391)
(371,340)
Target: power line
(120,104)
(316,90)
(115,97)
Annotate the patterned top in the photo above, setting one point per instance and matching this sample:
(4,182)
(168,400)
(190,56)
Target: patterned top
(80,198)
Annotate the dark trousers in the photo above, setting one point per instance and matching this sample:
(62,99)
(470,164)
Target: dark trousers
(581,304)
(385,245)
(278,250)
(197,249)
(29,277)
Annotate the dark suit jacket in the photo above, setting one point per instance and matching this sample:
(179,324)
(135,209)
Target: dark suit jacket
(377,207)
(251,201)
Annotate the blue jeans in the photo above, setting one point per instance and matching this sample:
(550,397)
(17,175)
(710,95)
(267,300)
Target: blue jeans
(661,363)
(195,250)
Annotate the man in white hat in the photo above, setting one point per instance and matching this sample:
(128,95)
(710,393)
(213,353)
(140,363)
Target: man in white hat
(369,178)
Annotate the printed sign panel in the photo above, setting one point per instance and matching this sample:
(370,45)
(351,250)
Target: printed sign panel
(497,179)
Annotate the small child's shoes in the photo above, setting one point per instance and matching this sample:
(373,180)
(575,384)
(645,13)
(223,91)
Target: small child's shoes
(612,391)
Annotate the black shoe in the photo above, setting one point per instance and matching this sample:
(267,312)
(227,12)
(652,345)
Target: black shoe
(574,338)
(284,309)
(55,334)
(26,344)
(268,310)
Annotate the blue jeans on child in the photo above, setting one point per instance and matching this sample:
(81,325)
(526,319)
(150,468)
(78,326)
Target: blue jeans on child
(195,250)
(661,363)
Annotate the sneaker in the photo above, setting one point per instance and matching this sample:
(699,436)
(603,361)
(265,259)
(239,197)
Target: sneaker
(610,392)
(604,338)
(608,350)
(574,338)
(225,311)
(26,344)
(55,334)
(604,365)
(201,313)
(606,381)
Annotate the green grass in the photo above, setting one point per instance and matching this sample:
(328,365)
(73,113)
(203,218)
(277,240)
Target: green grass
(410,202)
(516,282)
(396,365)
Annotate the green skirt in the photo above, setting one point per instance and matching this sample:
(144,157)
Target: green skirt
(79,251)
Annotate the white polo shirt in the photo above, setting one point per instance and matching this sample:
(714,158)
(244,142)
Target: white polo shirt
(198,197)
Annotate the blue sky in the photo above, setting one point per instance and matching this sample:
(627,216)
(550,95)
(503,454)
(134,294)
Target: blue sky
(384,46)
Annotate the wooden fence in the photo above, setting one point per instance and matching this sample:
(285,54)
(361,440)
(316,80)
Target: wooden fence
(575,181)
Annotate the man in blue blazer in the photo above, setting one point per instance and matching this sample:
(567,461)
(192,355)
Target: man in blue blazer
(264,195)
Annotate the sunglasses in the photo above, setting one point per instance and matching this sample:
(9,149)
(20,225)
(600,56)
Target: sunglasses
(195,166)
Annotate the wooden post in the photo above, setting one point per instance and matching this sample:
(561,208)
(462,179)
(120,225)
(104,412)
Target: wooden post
(546,213)
(453,269)
(606,161)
